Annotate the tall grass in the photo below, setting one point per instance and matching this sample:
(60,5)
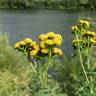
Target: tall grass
(15,72)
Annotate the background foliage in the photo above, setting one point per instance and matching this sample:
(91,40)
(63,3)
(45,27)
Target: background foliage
(49,4)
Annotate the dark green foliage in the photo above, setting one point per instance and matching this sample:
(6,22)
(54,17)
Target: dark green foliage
(49,4)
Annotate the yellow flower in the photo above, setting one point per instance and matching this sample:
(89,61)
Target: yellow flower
(60,52)
(36,47)
(42,44)
(23,43)
(86,23)
(32,43)
(89,33)
(57,41)
(50,34)
(74,28)
(92,41)
(44,50)
(28,40)
(58,36)
(94,38)
(17,45)
(57,51)
(49,42)
(33,52)
(43,37)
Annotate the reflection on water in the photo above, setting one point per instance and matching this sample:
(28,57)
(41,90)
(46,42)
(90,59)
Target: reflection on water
(30,23)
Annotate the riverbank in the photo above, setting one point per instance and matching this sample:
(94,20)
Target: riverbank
(49,4)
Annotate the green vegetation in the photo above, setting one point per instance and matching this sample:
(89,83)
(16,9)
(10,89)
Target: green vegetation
(49,4)
(74,76)
(15,72)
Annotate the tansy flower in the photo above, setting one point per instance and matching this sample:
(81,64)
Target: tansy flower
(84,23)
(44,50)
(33,52)
(17,45)
(74,28)
(32,43)
(92,41)
(58,36)
(57,41)
(49,42)
(23,43)
(50,34)
(36,47)
(94,38)
(78,42)
(60,52)
(43,37)
(42,44)
(57,51)
(28,40)
(89,33)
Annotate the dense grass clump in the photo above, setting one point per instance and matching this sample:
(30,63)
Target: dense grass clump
(15,72)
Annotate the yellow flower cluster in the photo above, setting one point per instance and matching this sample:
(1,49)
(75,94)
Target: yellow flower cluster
(89,34)
(28,45)
(57,51)
(84,23)
(74,28)
(78,42)
(48,40)
(23,43)
(83,37)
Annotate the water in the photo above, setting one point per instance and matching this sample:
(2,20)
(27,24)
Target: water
(30,23)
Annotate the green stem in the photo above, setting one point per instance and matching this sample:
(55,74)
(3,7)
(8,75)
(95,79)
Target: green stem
(80,56)
(81,62)
(45,72)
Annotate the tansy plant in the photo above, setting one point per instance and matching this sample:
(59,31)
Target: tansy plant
(84,42)
(41,55)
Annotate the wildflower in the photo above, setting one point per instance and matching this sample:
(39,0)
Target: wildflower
(89,33)
(49,42)
(57,41)
(60,52)
(92,41)
(58,36)
(36,47)
(28,40)
(33,52)
(84,23)
(23,43)
(43,37)
(17,45)
(78,42)
(57,51)
(94,38)
(50,34)
(32,43)
(74,28)
(42,44)
(44,50)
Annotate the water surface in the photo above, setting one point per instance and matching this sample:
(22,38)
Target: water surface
(30,23)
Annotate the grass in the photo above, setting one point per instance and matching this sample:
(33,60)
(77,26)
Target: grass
(15,72)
